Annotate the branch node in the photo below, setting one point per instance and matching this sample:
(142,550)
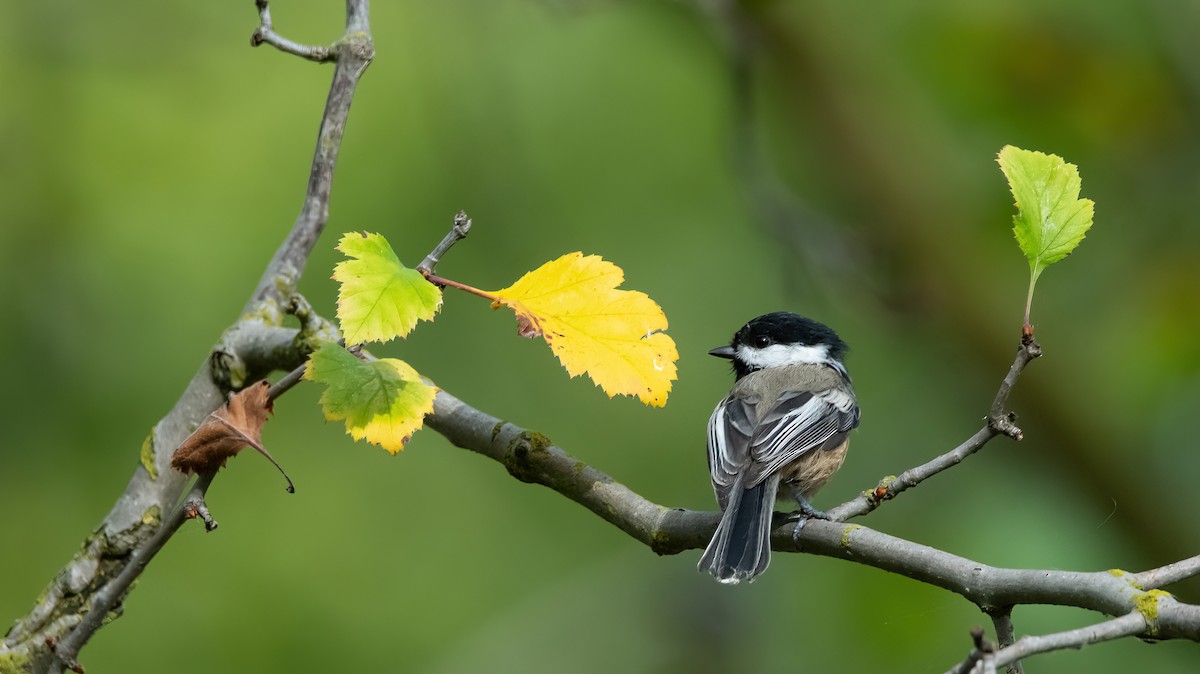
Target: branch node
(1005,424)
(196,508)
(882,491)
(1033,349)
(522,454)
(1147,604)
(315,329)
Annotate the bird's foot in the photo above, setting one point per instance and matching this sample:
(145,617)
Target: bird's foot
(807,512)
(802,516)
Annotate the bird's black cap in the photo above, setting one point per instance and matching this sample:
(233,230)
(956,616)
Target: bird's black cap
(782,327)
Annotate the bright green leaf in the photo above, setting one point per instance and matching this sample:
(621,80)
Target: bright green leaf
(379,298)
(384,401)
(1051,219)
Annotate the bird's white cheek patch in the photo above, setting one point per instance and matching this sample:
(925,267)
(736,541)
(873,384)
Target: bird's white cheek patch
(783,354)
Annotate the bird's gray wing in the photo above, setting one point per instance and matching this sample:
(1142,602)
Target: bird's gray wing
(729,430)
(798,423)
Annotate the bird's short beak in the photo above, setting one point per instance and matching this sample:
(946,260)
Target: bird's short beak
(722,352)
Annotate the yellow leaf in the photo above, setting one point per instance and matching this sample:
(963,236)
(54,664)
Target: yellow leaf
(612,335)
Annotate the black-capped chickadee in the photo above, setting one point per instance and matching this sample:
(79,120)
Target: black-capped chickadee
(785,423)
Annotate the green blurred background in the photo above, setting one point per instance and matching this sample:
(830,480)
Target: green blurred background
(830,158)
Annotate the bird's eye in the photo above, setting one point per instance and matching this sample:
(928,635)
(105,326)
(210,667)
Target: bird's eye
(762,341)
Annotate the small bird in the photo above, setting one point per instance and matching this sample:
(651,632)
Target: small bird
(786,422)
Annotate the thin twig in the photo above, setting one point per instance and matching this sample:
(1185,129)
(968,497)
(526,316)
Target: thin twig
(286,382)
(890,487)
(458,231)
(1166,575)
(265,34)
(1127,625)
(999,422)
(999,419)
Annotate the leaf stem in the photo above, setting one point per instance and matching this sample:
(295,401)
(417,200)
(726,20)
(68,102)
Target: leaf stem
(438,280)
(1029,302)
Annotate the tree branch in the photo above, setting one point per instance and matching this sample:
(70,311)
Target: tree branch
(531,457)
(353,53)
(92,585)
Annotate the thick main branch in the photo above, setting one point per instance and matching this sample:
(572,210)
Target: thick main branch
(92,585)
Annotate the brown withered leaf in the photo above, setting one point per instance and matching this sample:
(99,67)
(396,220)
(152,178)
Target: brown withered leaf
(236,425)
(528,328)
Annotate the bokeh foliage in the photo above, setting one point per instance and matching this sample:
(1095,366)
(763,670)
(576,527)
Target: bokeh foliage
(151,161)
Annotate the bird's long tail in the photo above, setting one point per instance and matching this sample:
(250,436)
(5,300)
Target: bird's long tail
(741,547)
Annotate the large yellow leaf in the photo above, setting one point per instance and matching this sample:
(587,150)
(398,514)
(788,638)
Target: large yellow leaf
(612,335)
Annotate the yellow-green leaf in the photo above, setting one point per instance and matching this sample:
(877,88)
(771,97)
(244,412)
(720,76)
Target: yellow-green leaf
(384,401)
(379,298)
(1051,219)
(612,335)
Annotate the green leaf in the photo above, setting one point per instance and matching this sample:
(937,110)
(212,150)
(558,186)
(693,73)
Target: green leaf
(384,401)
(1051,219)
(379,298)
